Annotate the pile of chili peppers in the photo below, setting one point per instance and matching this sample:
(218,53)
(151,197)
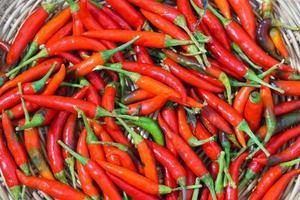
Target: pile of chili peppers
(190,86)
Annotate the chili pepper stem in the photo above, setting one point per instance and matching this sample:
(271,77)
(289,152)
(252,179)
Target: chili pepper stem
(243,126)
(196,191)
(226,82)
(36,121)
(136,137)
(38,85)
(219,180)
(61,177)
(27,118)
(250,75)
(74,85)
(83,160)
(228,176)
(188,187)
(104,113)
(170,42)
(290,163)
(248,176)
(194,142)
(208,181)
(15,191)
(109,53)
(71,165)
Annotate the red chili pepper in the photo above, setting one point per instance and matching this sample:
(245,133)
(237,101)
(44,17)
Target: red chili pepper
(253,110)
(54,188)
(269,178)
(171,182)
(277,189)
(117,136)
(191,177)
(85,179)
(14,144)
(209,126)
(128,12)
(142,55)
(96,80)
(272,146)
(126,160)
(93,96)
(130,190)
(288,76)
(169,161)
(211,149)
(251,49)
(97,173)
(231,115)
(246,15)
(8,169)
(136,96)
(189,157)
(286,107)
(234,170)
(108,103)
(170,117)
(290,88)
(147,39)
(277,39)
(224,7)
(116,17)
(27,31)
(66,30)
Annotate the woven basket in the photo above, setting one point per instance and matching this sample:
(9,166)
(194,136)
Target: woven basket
(13,13)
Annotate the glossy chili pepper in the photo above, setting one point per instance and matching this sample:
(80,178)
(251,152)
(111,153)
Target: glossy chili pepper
(145,107)
(251,49)
(130,190)
(136,96)
(14,144)
(269,114)
(269,178)
(277,189)
(54,188)
(211,149)
(185,130)
(12,97)
(171,182)
(126,160)
(231,115)
(47,31)
(272,146)
(234,170)
(27,31)
(32,74)
(108,103)
(169,161)
(142,55)
(224,7)
(292,152)
(147,39)
(169,115)
(85,179)
(286,107)
(189,157)
(8,168)
(117,136)
(145,153)
(96,80)
(277,40)
(288,76)
(244,11)
(113,15)
(208,78)
(68,104)
(209,126)
(291,88)
(128,12)
(253,110)
(66,30)
(191,179)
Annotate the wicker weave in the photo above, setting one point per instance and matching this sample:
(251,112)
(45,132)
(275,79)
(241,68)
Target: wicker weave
(13,13)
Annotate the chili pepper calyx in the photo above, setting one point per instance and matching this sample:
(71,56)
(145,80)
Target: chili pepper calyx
(170,42)
(83,160)
(61,176)
(48,7)
(15,191)
(207,179)
(70,161)
(39,85)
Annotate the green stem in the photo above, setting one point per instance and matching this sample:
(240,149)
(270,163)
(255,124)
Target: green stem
(83,160)
(27,117)
(71,165)
(208,181)
(194,142)
(67,84)
(39,85)
(136,137)
(219,180)
(226,82)
(219,16)
(196,191)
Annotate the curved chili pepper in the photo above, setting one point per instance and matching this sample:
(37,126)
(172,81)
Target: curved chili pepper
(14,144)
(251,49)
(147,39)
(63,32)
(189,157)
(246,15)
(8,169)
(292,152)
(123,24)
(170,181)
(117,136)
(32,74)
(145,153)
(291,88)
(136,96)
(85,179)
(264,39)
(269,178)
(277,189)
(145,107)
(231,115)
(47,31)
(253,110)
(286,107)
(234,170)
(130,190)
(224,7)
(272,146)
(170,162)
(169,115)
(269,114)
(54,188)
(27,31)
(108,103)
(96,80)
(277,40)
